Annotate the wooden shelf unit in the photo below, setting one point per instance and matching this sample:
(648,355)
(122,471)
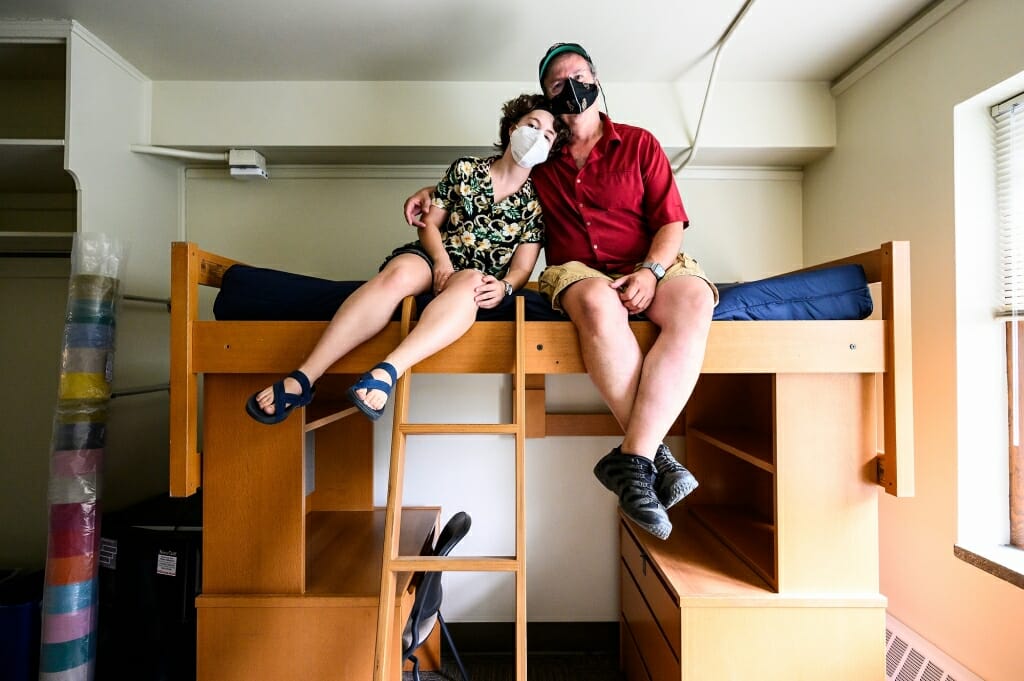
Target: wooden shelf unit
(771,571)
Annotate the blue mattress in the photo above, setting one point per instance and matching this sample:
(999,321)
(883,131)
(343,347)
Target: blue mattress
(259,294)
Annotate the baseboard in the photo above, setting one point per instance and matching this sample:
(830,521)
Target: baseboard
(541,637)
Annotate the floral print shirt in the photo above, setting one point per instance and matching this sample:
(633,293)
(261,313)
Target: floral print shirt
(481,234)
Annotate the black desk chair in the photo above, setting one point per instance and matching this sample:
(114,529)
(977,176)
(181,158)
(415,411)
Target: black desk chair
(426,608)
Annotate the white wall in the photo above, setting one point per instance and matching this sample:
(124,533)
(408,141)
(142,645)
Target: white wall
(134,198)
(339,223)
(789,124)
(891,176)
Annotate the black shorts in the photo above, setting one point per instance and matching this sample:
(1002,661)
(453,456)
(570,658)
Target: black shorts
(413,247)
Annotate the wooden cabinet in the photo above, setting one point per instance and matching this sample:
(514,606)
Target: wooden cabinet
(37,197)
(771,571)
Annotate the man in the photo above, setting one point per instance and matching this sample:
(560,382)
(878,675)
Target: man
(615,226)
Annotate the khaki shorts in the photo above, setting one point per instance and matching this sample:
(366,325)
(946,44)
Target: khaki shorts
(555,279)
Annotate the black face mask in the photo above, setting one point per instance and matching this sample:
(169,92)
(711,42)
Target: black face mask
(575,97)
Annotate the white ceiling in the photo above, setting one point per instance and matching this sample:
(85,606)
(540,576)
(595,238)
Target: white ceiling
(477,40)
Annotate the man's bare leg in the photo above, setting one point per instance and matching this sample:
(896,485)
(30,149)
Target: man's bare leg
(682,310)
(614,361)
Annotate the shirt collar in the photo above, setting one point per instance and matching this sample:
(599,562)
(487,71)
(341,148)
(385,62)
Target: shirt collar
(609,135)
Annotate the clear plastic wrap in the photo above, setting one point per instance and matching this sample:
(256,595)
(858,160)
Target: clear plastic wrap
(68,650)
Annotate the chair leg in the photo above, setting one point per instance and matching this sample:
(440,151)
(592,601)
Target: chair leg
(451,644)
(415,667)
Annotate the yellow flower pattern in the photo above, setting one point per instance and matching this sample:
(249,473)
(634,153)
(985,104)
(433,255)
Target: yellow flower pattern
(480,234)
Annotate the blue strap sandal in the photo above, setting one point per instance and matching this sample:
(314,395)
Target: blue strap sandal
(368,382)
(284,402)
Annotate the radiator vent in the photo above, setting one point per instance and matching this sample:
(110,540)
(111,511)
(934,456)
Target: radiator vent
(909,657)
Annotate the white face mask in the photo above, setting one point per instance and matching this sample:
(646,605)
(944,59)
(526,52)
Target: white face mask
(529,146)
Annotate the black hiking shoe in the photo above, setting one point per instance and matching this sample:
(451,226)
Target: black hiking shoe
(672,482)
(631,477)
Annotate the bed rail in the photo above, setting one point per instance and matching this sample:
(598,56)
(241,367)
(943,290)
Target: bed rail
(889,265)
(876,346)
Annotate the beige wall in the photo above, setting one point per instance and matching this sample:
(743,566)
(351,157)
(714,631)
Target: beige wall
(891,177)
(33,298)
(340,222)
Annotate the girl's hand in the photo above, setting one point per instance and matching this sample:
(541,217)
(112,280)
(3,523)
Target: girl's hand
(489,293)
(417,206)
(442,272)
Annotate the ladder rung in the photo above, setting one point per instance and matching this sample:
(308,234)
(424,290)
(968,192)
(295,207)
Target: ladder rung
(459,428)
(456,564)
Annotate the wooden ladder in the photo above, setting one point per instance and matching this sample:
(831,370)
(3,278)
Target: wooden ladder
(386,663)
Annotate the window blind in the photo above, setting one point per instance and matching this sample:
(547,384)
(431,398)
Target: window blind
(1009,150)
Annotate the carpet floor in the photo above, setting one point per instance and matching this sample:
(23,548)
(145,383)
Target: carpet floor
(540,667)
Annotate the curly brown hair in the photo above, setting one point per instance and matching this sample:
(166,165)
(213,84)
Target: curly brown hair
(514,109)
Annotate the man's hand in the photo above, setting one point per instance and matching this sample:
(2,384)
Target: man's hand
(489,293)
(416,206)
(636,290)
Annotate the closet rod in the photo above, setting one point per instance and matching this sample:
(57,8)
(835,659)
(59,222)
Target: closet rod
(180,153)
(140,390)
(166,302)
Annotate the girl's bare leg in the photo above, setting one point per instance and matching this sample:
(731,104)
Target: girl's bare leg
(446,319)
(360,317)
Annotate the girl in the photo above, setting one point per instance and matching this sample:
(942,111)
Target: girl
(481,242)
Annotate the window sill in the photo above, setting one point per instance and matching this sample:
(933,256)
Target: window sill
(1004,562)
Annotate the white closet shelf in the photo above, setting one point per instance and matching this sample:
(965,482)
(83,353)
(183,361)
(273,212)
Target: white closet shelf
(35,235)
(31,143)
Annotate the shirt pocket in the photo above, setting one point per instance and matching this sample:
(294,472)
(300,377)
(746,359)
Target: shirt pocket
(618,190)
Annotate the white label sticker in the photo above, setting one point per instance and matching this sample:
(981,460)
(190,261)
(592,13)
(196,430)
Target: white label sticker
(167,563)
(108,553)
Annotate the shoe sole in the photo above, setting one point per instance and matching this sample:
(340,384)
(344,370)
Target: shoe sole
(677,491)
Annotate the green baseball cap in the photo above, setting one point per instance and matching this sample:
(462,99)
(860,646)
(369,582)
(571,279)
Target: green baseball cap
(557,49)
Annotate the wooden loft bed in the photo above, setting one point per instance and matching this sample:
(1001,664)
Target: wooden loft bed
(875,346)
(778,543)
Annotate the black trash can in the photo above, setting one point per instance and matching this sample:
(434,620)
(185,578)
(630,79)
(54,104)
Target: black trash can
(149,577)
(21,594)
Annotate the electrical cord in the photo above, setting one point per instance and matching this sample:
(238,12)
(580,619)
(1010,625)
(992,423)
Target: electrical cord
(691,151)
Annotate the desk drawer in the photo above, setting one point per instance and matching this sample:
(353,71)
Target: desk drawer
(630,662)
(657,656)
(660,599)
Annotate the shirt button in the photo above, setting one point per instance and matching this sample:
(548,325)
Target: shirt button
(578,180)
(595,247)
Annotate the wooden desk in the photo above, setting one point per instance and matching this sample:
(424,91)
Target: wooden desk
(291,580)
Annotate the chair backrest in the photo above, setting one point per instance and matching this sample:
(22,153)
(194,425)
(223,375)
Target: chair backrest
(425,607)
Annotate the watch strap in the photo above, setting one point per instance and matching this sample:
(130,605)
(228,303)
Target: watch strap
(656,269)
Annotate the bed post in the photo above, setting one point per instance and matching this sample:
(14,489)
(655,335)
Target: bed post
(896,464)
(184,398)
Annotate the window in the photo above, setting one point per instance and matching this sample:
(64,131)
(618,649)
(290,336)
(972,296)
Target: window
(1009,158)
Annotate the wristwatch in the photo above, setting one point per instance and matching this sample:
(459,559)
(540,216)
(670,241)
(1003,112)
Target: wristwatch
(654,267)
(508,288)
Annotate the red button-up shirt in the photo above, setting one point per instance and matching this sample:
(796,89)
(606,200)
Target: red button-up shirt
(605,214)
